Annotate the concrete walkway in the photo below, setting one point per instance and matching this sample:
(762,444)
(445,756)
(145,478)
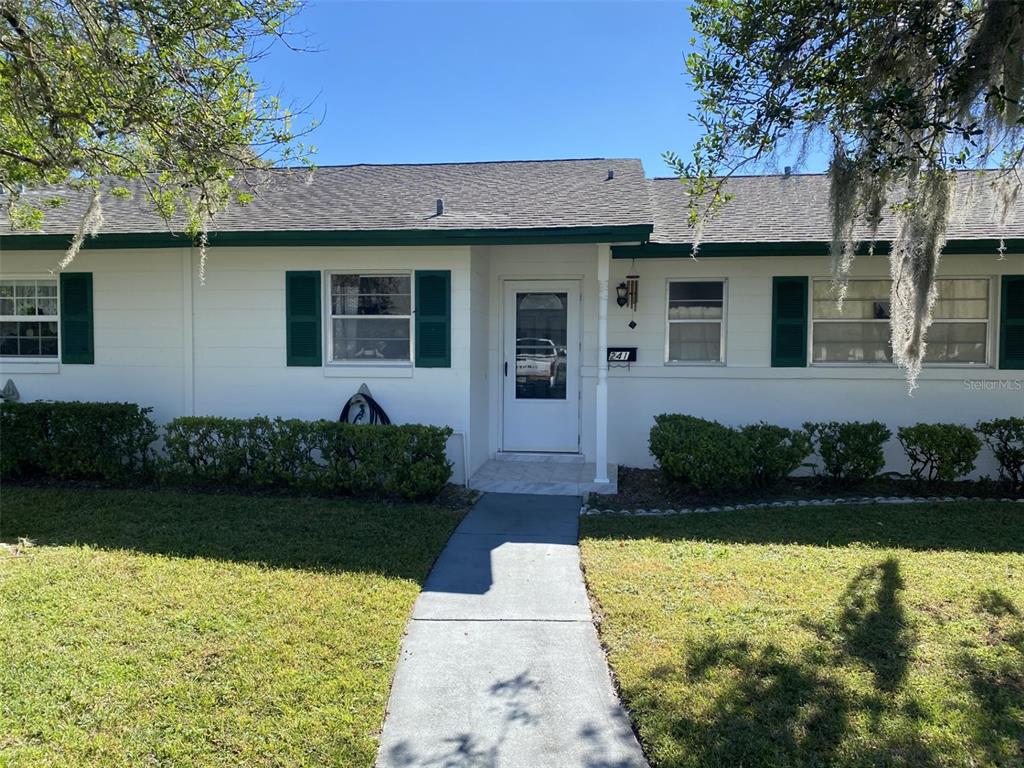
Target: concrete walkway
(501,666)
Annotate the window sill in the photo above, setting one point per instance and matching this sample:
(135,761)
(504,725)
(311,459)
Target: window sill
(368,370)
(11,365)
(894,367)
(821,373)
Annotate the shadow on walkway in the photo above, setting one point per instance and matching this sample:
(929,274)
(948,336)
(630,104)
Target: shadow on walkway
(501,663)
(466,564)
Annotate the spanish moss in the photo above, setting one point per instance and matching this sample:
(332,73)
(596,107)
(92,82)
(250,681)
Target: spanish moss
(913,266)
(911,99)
(842,202)
(88,226)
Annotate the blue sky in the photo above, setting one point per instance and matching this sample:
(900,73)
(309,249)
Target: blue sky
(421,82)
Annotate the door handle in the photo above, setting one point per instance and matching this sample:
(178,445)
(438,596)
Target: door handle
(506,367)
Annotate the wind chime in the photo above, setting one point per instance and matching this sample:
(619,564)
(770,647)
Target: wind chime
(626,293)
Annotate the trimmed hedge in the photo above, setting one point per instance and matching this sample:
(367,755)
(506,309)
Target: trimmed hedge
(703,454)
(76,441)
(709,456)
(939,451)
(850,451)
(775,452)
(394,460)
(1006,439)
(114,442)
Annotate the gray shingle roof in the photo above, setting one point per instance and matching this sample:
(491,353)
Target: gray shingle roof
(544,194)
(501,195)
(795,209)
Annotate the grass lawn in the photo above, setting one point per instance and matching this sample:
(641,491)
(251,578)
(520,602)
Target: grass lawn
(175,629)
(839,636)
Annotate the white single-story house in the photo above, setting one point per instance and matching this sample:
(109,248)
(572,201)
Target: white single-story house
(486,297)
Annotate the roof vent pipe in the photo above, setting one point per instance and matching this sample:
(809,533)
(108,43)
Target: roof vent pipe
(440,207)
(611,175)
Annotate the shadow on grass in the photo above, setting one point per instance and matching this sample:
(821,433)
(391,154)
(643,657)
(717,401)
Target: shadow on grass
(995,603)
(967,526)
(999,693)
(758,704)
(873,624)
(996,679)
(312,534)
(770,707)
(776,709)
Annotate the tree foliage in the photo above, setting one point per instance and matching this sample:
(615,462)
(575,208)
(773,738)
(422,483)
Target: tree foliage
(900,94)
(154,95)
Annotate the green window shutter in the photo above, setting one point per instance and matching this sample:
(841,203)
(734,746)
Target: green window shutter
(433,319)
(76,338)
(303,318)
(1011,323)
(789,322)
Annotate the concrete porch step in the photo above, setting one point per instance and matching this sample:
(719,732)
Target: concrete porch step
(556,458)
(546,478)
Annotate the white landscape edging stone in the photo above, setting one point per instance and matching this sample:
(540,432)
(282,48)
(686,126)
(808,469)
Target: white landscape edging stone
(586,509)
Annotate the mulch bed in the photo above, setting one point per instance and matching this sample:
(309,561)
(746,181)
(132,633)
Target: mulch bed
(648,489)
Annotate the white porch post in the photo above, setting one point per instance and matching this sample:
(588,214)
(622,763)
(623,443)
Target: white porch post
(601,436)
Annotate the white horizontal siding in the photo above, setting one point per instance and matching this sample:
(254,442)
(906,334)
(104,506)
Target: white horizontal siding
(138,329)
(747,389)
(165,340)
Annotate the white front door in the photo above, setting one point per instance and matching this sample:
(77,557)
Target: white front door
(541,366)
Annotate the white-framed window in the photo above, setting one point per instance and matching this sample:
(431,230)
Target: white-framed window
(29,321)
(695,321)
(959,333)
(370,317)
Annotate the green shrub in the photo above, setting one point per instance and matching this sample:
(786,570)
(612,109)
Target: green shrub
(850,451)
(406,460)
(1006,439)
(75,441)
(939,451)
(702,454)
(218,449)
(775,452)
(711,457)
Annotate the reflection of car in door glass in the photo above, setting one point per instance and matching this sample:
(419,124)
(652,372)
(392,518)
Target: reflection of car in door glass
(541,326)
(537,360)
(540,369)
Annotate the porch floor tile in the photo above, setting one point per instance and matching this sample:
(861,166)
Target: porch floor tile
(551,478)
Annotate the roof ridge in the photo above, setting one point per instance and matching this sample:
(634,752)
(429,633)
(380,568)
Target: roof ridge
(818,173)
(456,162)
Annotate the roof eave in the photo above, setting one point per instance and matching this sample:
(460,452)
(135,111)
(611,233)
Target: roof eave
(522,236)
(798,248)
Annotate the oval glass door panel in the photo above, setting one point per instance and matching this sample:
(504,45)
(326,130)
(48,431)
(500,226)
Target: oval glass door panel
(541,351)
